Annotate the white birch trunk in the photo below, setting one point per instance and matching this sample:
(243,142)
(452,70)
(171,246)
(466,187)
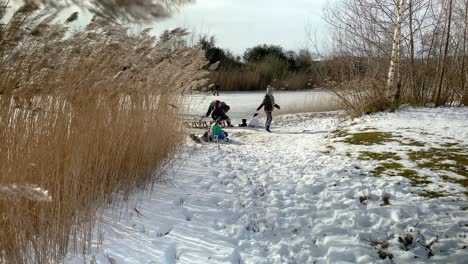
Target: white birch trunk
(391,87)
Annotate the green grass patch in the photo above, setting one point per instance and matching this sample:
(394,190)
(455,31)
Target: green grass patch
(412,142)
(387,166)
(339,133)
(414,177)
(368,155)
(368,129)
(432,194)
(462,182)
(435,159)
(449,145)
(368,138)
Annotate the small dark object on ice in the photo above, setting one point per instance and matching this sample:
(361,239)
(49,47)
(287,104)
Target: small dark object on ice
(244,123)
(195,138)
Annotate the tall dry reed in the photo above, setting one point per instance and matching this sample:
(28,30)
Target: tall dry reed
(85,119)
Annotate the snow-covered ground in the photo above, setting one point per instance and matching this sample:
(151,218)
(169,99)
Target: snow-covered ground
(305,193)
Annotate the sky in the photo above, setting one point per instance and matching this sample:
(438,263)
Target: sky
(240,24)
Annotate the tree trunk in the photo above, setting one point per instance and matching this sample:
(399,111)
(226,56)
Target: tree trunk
(464,74)
(439,101)
(393,91)
(414,92)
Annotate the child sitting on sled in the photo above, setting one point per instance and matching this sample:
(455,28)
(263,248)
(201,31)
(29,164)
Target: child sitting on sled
(218,132)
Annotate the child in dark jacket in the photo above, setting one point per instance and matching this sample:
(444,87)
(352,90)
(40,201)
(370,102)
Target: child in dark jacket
(219,114)
(214,105)
(268,104)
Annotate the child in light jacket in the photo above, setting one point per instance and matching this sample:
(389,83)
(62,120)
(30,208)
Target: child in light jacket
(267,104)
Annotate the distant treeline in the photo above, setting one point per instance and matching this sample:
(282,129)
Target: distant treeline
(262,65)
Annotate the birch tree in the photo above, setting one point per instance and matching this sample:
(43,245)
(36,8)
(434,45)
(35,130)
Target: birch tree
(394,88)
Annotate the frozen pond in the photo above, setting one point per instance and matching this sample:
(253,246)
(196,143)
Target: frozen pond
(244,104)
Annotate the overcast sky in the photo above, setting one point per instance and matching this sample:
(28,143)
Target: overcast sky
(240,24)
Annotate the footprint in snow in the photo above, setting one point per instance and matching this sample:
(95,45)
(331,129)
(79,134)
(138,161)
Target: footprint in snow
(179,201)
(163,230)
(187,214)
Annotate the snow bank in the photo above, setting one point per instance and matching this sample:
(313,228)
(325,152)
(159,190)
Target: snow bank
(297,195)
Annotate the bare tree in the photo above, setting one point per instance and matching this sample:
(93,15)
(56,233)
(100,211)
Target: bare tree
(464,73)
(393,89)
(439,100)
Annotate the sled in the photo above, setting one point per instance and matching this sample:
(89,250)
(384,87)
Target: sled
(204,139)
(203,124)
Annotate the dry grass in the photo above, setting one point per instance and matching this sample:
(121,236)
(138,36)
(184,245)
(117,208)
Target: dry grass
(141,10)
(253,77)
(82,118)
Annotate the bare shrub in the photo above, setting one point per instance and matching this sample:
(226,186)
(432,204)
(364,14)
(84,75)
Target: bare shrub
(257,76)
(430,60)
(361,97)
(89,116)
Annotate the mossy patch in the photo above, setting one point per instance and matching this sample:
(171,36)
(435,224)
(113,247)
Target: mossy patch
(396,169)
(449,145)
(368,129)
(368,155)
(413,143)
(432,194)
(387,166)
(414,177)
(464,208)
(442,159)
(462,182)
(368,138)
(339,133)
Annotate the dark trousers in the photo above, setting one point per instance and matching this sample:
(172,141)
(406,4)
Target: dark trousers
(269,118)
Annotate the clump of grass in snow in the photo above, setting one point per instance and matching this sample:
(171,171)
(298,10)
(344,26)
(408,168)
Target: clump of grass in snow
(83,116)
(385,199)
(412,142)
(450,157)
(442,159)
(363,199)
(368,155)
(367,138)
(387,166)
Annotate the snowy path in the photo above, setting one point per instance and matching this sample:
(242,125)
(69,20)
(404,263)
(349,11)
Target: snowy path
(280,198)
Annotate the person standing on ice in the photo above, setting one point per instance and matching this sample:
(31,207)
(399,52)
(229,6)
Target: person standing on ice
(268,104)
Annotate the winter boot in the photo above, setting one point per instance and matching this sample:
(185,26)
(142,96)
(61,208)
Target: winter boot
(267,128)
